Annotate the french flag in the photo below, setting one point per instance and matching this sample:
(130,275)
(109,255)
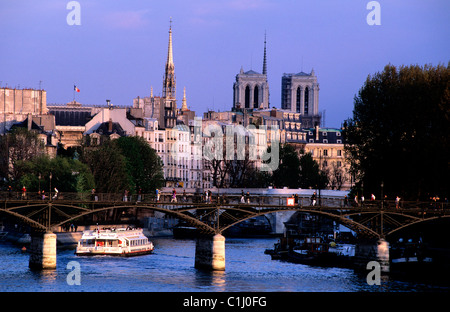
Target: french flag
(76,89)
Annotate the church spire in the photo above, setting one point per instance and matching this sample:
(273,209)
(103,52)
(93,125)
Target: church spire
(264,71)
(184,104)
(169,74)
(170,53)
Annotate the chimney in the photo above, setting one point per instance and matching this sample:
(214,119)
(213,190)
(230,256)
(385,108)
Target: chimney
(317,131)
(30,121)
(110,125)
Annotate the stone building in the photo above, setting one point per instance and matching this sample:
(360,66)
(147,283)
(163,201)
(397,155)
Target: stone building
(300,94)
(70,122)
(326,146)
(251,89)
(17,104)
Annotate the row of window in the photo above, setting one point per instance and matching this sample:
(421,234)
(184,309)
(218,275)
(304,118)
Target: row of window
(326,153)
(138,242)
(338,141)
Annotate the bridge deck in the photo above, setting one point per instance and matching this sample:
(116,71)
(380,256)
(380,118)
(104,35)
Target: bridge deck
(373,218)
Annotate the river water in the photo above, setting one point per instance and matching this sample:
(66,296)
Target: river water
(171,269)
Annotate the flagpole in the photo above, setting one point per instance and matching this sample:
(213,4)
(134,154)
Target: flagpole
(74,93)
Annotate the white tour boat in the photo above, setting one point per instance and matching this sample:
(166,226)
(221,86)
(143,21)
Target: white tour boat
(114,242)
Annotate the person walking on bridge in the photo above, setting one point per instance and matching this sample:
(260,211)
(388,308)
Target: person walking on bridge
(313,199)
(174,196)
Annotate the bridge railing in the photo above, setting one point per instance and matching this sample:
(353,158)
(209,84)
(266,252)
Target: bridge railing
(224,198)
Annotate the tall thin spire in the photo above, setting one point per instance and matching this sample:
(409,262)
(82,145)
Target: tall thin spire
(169,84)
(264,71)
(184,104)
(170,53)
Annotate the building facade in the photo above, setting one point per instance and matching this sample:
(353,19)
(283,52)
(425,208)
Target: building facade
(251,89)
(326,146)
(17,104)
(300,94)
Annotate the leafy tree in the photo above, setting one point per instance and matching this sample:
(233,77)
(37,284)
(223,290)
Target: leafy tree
(68,175)
(143,164)
(18,145)
(295,171)
(400,132)
(109,168)
(288,171)
(127,163)
(310,174)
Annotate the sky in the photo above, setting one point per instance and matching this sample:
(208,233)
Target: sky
(119,49)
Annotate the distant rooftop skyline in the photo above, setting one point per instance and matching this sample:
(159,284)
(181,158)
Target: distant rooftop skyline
(119,50)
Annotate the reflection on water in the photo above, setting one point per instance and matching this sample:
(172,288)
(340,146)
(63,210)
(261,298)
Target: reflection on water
(171,268)
(206,280)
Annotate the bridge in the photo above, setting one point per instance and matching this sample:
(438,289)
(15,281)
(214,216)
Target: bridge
(373,220)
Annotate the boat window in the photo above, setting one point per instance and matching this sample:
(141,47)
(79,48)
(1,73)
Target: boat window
(87,242)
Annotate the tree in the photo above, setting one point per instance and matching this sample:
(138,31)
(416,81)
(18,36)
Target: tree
(108,166)
(18,145)
(288,171)
(400,132)
(68,175)
(298,172)
(310,174)
(143,164)
(127,163)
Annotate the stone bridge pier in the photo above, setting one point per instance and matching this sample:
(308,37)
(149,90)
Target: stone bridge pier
(210,252)
(43,251)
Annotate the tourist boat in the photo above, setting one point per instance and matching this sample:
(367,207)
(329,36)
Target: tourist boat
(114,242)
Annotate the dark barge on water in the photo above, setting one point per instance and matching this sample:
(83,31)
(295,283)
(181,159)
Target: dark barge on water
(315,251)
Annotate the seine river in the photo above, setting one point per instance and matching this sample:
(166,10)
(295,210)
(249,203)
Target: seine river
(171,269)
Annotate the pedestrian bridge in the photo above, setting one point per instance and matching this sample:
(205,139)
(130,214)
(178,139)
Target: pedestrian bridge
(212,216)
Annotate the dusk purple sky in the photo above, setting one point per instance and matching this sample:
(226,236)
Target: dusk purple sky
(119,50)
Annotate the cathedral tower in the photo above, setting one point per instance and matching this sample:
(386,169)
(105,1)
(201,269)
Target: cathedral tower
(251,89)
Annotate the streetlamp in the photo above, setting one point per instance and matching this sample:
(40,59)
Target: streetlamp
(50,185)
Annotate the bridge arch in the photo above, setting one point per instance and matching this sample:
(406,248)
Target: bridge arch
(418,221)
(341,219)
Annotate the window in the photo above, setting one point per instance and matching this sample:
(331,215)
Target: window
(256,97)
(247,97)
(325,152)
(325,140)
(311,140)
(306,101)
(339,141)
(298,100)
(339,153)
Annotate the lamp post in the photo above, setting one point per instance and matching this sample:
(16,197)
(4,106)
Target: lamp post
(50,185)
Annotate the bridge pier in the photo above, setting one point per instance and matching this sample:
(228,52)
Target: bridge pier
(43,251)
(210,253)
(372,250)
